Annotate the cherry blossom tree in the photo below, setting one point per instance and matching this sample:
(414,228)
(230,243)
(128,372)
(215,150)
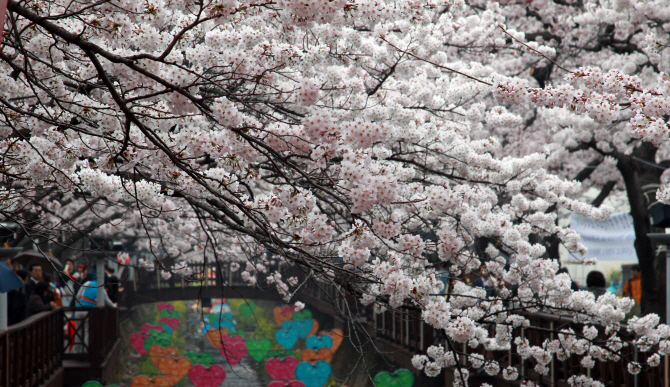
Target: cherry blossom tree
(363,142)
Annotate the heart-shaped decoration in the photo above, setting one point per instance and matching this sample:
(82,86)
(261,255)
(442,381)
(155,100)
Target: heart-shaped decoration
(248,309)
(203,358)
(202,376)
(400,378)
(303,327)
(282,314)
(212,317)
(240,333)
(169,313)
(215,336)
(166,328)
(316,342)
(312,356)
(234,349)
(281,369)
(145,328)
(227,324)
(172,322)
(153,332)
(287,337)
(281,354)
(259,348)
(92,383)
(315,328)
(313,375)
(157,340)
(337,336)
(145,381)
(292,383)
(174,368)
(137,341)
(163,306)
(156,353)
(304,314)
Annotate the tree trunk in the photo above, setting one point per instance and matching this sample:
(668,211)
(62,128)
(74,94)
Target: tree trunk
(635,175)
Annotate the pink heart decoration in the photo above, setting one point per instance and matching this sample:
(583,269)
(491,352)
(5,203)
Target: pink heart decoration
(147,327)
(202,376)
(292,383)
(163,306)
(234,349)
(281,369)
(137,341)
(172,322)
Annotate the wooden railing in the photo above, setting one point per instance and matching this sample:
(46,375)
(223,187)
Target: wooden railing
(404,329)
(91,334)
(31,352)
(202,275)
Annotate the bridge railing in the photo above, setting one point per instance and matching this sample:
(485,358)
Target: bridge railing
(31,351)
(90,334)
(212,274)
(404,329)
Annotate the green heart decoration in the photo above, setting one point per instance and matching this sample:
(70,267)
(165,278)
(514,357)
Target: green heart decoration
(160,340)
(240,333)
(304,314)
(400,378)
(92,383)
(169,313)
(203,358)
(153,332)
(281,354)
(247,310)
(259,348)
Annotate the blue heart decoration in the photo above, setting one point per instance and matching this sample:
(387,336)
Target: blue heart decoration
(228,324)
(167,328)
(206,328)
(303,327)
(286,337)
(316,342)
(313,375)
(288,324)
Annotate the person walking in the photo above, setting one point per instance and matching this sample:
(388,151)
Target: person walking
(633,289)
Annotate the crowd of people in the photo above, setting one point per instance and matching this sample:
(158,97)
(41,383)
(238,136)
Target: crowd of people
(72,287)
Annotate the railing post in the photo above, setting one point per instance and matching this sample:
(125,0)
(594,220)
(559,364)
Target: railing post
(523,362)
(635,376)
(553,358)
(421,335)
(407,329)
(100,276)
(230,276)
(3,311)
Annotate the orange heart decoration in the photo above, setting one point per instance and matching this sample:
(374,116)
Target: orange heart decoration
(144,381)
(156,353)
(282,314)
(214,336)
(336,335)
(174,368)
(313,356)
(315,328)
